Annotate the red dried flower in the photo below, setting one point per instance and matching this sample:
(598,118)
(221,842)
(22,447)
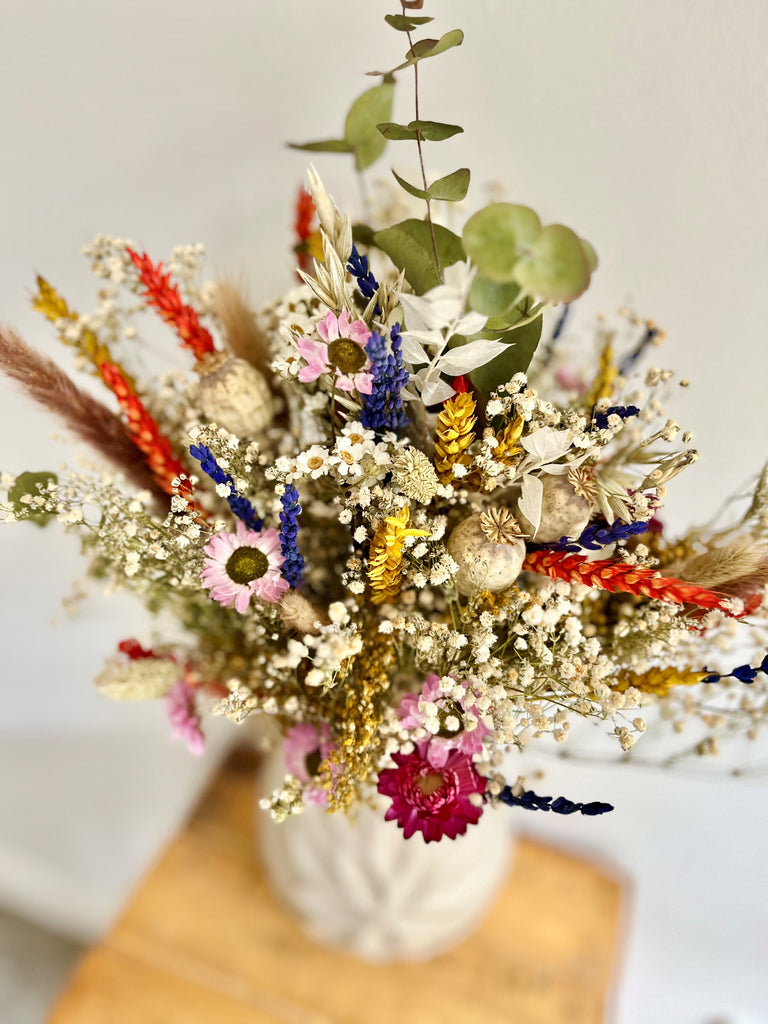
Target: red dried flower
(164,296)
(144,431)
(608,574)
(433,801)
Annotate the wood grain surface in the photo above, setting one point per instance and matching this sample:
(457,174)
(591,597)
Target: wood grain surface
(203,940)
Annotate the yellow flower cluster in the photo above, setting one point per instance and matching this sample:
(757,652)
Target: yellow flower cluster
(350,764)
(385,561)
(455,433)
(658,681)
(54,307)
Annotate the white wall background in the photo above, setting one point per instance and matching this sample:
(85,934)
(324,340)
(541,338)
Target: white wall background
(641,124)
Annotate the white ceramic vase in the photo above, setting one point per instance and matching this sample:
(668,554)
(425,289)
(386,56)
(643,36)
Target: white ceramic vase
(362,887)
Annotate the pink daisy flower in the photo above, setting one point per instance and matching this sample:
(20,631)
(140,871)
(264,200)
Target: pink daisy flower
(182,713)
(433,801)
(452,734)
(305,747)
(244,564)
(341,352)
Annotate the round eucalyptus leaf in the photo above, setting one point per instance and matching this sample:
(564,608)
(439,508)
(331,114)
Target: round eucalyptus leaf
(556,268)
(496,237)
(491,297)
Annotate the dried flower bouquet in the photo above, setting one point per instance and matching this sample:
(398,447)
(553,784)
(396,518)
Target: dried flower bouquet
(395,513)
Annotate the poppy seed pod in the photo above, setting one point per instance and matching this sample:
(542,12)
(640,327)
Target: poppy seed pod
(483,565)
(234,394)
(564,513)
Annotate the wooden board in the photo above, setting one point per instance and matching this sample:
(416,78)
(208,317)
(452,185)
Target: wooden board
(203,941)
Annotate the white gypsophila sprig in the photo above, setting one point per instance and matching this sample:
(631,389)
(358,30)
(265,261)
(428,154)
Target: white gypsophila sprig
(431,321)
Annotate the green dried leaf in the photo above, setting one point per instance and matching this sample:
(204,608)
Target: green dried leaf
(405,22)
(362,234)
(452,188)
(326,146)
(496,237)
(409,246)
(428,131)
(517,358)
(491,297)
(427,48)
(412,190)
(590,254)
(360,131)
(556,267)
(34,484)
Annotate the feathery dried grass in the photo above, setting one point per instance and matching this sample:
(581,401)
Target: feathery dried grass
(243,335)
(720,565)
(48,385)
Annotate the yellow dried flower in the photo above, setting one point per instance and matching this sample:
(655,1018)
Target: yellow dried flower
(455,433)
(607,372)
(385,561)
(54,308)
(365,683)
(507,450)
(658,681)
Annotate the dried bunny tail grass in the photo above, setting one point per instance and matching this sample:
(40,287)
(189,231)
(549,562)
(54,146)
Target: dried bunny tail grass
(244,337)
(86,417)
(722,564)
(747,587)
(297,613)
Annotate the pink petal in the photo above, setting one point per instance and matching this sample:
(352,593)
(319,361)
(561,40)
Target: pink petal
(328,327)
(270,587)
(311,372)
(359,332)
(345,383)
(364,383)
(242,600)
(344,319)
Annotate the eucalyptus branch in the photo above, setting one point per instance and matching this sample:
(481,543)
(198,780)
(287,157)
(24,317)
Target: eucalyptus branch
(421,156)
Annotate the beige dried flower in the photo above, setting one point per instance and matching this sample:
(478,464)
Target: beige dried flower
(297,613)
(500,526)
(415,475)
(143,679)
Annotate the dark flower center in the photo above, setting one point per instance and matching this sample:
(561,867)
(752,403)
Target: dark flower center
(313,762)
(347,356)
(430,783)
(246,564)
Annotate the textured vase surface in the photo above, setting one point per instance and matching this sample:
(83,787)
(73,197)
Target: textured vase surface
(361,887)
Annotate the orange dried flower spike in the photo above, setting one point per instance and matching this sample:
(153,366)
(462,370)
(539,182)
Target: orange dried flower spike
(144,432)
(308,244)
(164,296)
(608,574)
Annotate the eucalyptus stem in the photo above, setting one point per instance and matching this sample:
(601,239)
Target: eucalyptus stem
(421,159)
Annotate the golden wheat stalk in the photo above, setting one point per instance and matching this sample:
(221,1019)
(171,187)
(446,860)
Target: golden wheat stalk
(455,433)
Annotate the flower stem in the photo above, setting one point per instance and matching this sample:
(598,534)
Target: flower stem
(421,160)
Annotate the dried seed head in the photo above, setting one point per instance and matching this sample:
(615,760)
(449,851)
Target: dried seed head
(500,526)
(415,475)
(233,394)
